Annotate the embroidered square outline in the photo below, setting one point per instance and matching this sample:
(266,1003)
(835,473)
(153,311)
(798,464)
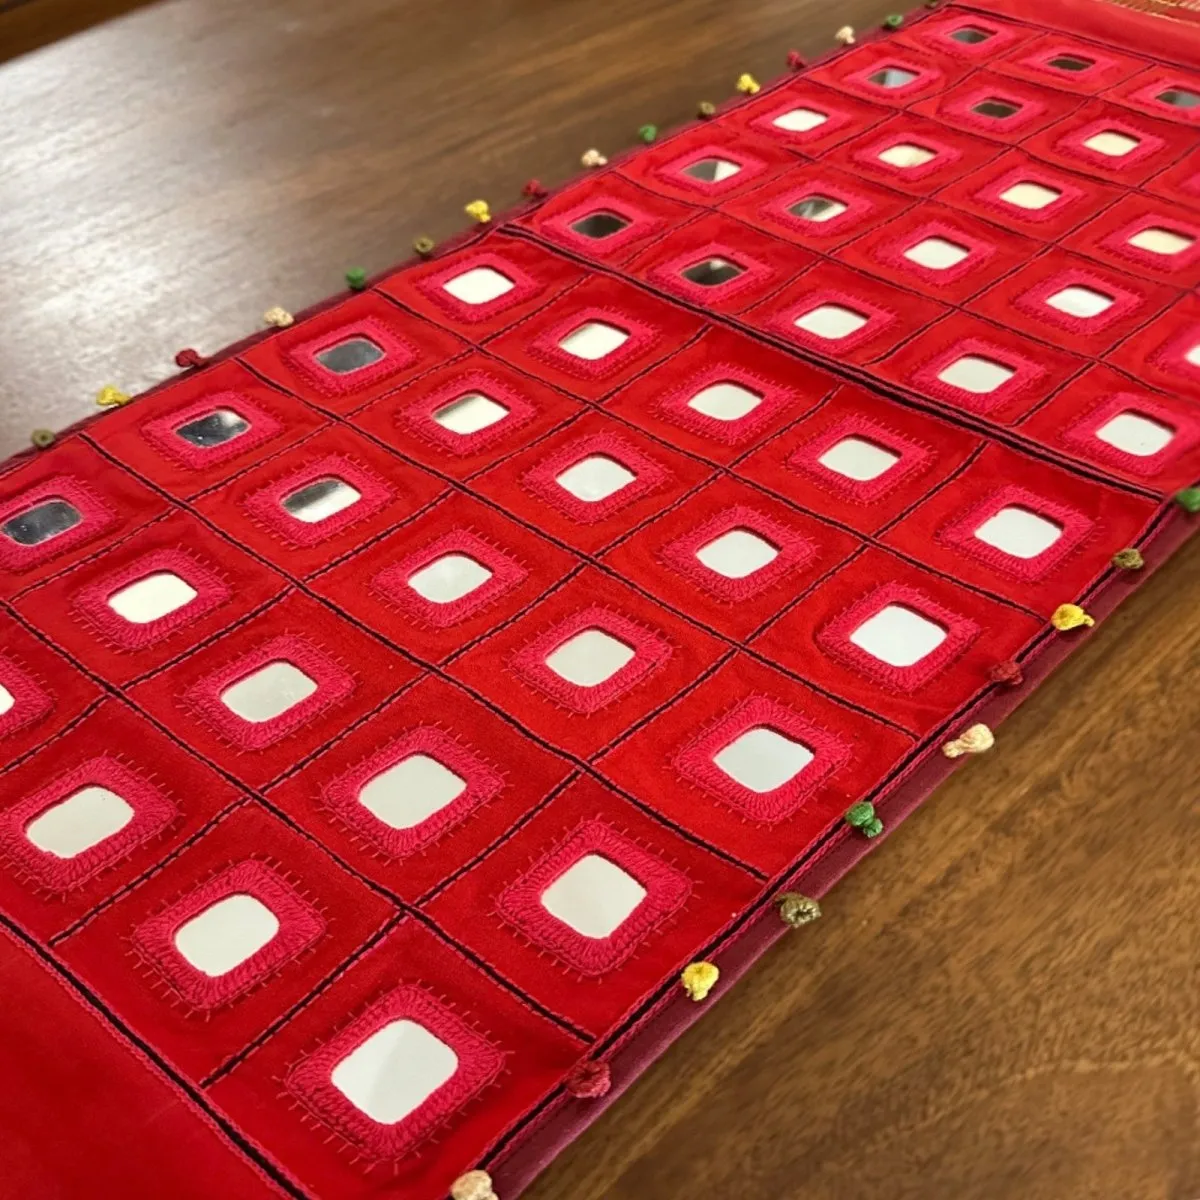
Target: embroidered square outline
(340,795)
(333,685)
(650,653)
(959,533)
(857,207)
(1026,374)
(300,925)
(913,457)
(675,171)
(153,812)
(96,516)
(31,701)
(1165,80)
(944,155)
(161,431)
(1117,242)
(989,195)
(772,398)
(961,632)
(265,506)
(835,119)
(861,79)
(542,479)
(639,224)
(1072,145)
(418,416)
(962,108)
(792,552)
(1034,300)
(667,890)
(669,275)
(940,37)
(479,1063)
(91,602)
(1172,354)
(391,584)
(695,761)
(1040,60)
(640,337)
(524,286)
(398,355)
(1081,434)
(892,253)
(878,319)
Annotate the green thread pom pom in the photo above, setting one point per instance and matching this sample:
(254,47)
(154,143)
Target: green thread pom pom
(648,133)
(356,279)
(861,816)
(1189,499)
(893,21)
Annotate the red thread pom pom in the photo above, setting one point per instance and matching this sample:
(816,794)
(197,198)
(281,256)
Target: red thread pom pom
(589,1080)
(1008,673)
(795,60)
(189,358)
(534,190)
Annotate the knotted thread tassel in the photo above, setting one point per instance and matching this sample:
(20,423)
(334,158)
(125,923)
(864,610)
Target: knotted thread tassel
(478,210)
(975,740)
(589,1080)
(893,21)
(845,36)
(112,397)
(1070,616)
(474,1185)
(698,979)
(42,438)
(1128,560)
(861,816)
(648,133)
(280,318)
(535,190)
(1189,499)
(592,158)
(356,279)
(189,358)
(748,85)
(795,60)
(797,910)
(423,246)
(1008,673)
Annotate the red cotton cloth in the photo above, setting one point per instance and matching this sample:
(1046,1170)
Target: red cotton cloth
(393,706)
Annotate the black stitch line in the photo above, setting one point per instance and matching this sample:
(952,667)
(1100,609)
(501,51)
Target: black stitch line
(101,906)
(323,985)
(50,739)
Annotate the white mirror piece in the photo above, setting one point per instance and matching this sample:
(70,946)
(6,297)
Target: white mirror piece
(225,934)
(478,285)
(858,459)
(593,340)
(737,553)
(936,253)
(906,155)
(152,598)
(1019,532)
(79,821)
(318,501)
(449,578)
(470,413)
(268,692)
(831,321)
(1078,301)
(1135,434)
(411,791)
(976,375)
(800,120)
(595,478)
(593,896)
(725,401)
(762,759)
(898,636)
(1030,196)
(589,658)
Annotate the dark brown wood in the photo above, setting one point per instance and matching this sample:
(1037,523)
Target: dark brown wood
(1001,1003)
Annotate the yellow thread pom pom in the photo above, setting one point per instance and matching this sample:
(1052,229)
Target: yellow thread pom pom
(748,85)
(112,397)
(975,740)
(1070,616)
(797,910)
(845,36)
(474,1185)
(279,317)
(1129,560)
(593,158)
(698,979)
(478,210)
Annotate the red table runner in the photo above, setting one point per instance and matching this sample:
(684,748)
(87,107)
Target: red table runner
(396,705)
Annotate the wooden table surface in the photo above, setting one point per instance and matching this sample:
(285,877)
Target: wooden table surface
(1002,1002)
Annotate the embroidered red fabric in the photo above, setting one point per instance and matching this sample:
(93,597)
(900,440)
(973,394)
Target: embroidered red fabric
(579,550)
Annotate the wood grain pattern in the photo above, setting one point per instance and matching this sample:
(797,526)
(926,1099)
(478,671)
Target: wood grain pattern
(999,1004)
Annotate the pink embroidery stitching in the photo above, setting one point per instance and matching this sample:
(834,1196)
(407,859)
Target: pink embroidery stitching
(1082,434)
(792,553)
(640,338)
(1034,300)
(30,699)
(300,925)
(695,760)
(91,602)
(675,171)
(772,399)
(419,416)
(651,653)
(153,812)
(397,356)
(667,890)
(96,515)
(878,319)
(483,784)
(266,504)
(914,457)
(162,433)
(334,684)
(961,633)
(1027,374)
(525,287)
(393,586)
(479,1062)
(670,274)
(640,224)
